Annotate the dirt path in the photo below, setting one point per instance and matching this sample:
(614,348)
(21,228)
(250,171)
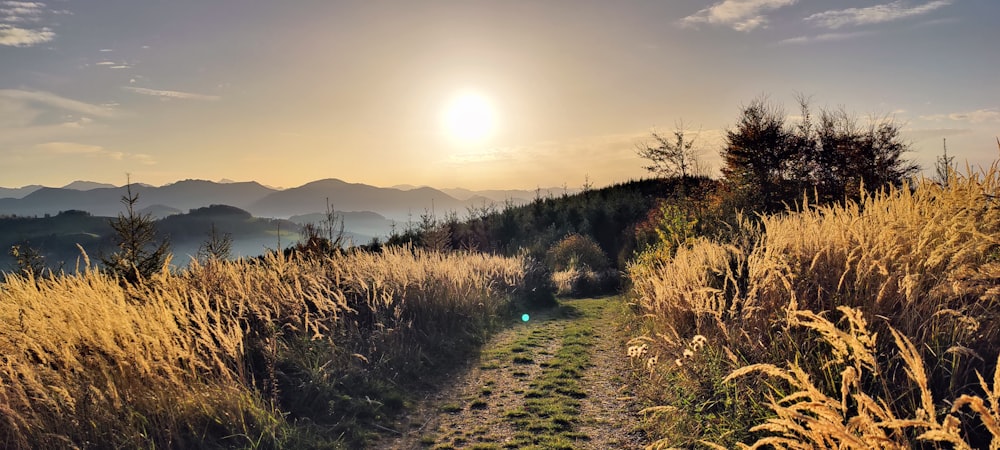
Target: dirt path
(555,382)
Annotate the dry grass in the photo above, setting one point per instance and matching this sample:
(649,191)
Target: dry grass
(218,355)
(921,265)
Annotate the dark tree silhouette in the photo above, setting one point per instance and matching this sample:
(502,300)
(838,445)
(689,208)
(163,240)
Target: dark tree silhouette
(138,256)
(668,157)
(218,247)
(768,164)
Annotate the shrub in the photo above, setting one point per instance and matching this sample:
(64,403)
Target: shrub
(537,289)
(576,251)
(585,282)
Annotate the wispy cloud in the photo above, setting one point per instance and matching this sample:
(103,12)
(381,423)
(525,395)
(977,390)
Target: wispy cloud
(740,15)
(92,151)
(988,115)
(825,37)
(52,100)
(165,94)
(886,12)
(114,65)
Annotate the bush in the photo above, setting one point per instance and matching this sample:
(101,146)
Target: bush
(576,251)
(537,289)
(585,282)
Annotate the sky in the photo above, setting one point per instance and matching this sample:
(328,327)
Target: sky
(285,93)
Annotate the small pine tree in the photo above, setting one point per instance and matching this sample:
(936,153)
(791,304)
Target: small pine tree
(434,234)
(138,256)
(944,165)
(217,247)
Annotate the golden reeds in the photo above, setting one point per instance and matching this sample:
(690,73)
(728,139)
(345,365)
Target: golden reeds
(919,263)
(170,363)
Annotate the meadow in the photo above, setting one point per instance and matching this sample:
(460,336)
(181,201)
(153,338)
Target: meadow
(857,324)
(276,352)
(866,324)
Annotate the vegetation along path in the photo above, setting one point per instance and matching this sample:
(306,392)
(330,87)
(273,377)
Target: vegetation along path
(557,381)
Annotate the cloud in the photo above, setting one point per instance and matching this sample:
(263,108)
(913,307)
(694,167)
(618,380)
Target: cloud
(886,12)
(114,65)
(92,151)
(54,101)
(20,11)
(977,116)
(825,37)
(23,37)
(170,94)
(740,15)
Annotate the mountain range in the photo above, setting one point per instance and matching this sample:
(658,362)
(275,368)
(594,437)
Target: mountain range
(401,203)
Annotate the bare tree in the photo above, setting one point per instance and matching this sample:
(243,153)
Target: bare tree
(676,157)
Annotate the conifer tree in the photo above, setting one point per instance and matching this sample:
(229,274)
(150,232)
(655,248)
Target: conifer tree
(138,256)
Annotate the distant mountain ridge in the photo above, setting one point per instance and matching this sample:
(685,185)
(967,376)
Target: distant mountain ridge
(19,192)
(87,185)
(393,203)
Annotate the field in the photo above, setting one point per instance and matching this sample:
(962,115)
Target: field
(271,353)
(867,325)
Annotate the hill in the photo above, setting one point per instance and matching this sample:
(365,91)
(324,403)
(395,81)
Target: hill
(400,205)
(57,236)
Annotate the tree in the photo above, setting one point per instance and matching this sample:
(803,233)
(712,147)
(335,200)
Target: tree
(138,256)
(30,261)
(768,164)
(326,238)
(851,157)
(671,158)
(434,234)
(944,166)
(758,155)
(217,247)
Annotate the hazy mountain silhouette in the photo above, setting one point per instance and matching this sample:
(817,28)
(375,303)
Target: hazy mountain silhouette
(57,236)
(399,205)
(185,211)
(343,196)
(365,223)
(182,196)
(18,192)
(159,211)
(87,185)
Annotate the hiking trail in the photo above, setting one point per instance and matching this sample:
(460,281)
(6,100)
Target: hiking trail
(558,381)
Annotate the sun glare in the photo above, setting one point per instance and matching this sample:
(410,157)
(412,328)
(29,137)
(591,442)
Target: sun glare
(469,118)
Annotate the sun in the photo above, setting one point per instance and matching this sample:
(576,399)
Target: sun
(469,117)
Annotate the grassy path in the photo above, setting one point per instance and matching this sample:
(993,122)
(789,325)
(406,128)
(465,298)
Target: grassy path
(556,382)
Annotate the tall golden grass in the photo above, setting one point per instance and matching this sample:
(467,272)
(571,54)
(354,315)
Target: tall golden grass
(921,264)
(215,355)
